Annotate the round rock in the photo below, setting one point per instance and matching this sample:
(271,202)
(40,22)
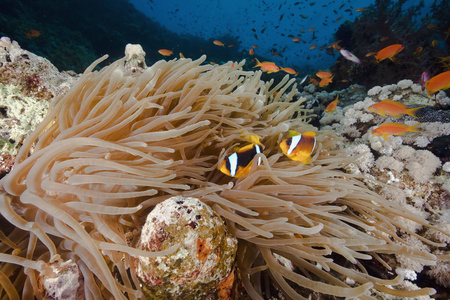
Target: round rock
(202,267)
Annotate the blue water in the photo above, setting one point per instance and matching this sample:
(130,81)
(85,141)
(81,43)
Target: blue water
(270,20)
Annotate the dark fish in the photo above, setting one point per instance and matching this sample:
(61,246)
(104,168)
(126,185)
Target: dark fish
(256,37)
(281,17)
(264,29)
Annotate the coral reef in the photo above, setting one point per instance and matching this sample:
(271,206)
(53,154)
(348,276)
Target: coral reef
(404,169)
(389,22)
(27,84)
(123,140)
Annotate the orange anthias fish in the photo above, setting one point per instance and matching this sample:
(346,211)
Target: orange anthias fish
(325,81)
(165,52)
(299,146)
(389,52)
(332,106)
(394,129)
(437,83)
(393,109)
(267,66)
(32,34)
(313,47)
(218,43)
(418,52)
(313,81)
(323,74)
(296,39)
(239,163)
(288,70)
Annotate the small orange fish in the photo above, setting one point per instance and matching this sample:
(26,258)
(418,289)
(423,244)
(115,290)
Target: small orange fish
(288,70)
(418,52)
(332,106)
(325,81)
(239,163)
(389,52)
(311,29)
(251,52)
(231,45)
(337,20)
(434,43)
(314,81)
(383,38)
(313,47)
(394,129)
(267,66)
(181,55)
(361,9)
(165,52)
(437,83)
(323,74)
(431,26)
(299,146)
(296,39)
(370,54)
(393,108)
(218,43)
(32,34)
(255,46)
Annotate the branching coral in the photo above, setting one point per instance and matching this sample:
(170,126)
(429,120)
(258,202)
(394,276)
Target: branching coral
(120,142)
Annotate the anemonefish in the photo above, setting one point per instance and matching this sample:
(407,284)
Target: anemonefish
(299,146)
(239,163)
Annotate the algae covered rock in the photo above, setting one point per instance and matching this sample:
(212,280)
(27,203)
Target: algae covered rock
(203,264)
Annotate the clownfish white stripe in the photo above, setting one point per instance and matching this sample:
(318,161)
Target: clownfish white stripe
(258,150)
(233,160)
(294,143)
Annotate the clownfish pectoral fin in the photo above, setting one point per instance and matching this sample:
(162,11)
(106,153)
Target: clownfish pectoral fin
(306,160)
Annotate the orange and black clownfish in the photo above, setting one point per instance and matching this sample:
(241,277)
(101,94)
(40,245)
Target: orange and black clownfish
(239,163)
(299,146)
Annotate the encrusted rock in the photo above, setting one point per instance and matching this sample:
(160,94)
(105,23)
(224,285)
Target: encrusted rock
(67,282)
(203,264)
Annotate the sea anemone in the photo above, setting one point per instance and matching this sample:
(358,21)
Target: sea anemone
(122,141)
